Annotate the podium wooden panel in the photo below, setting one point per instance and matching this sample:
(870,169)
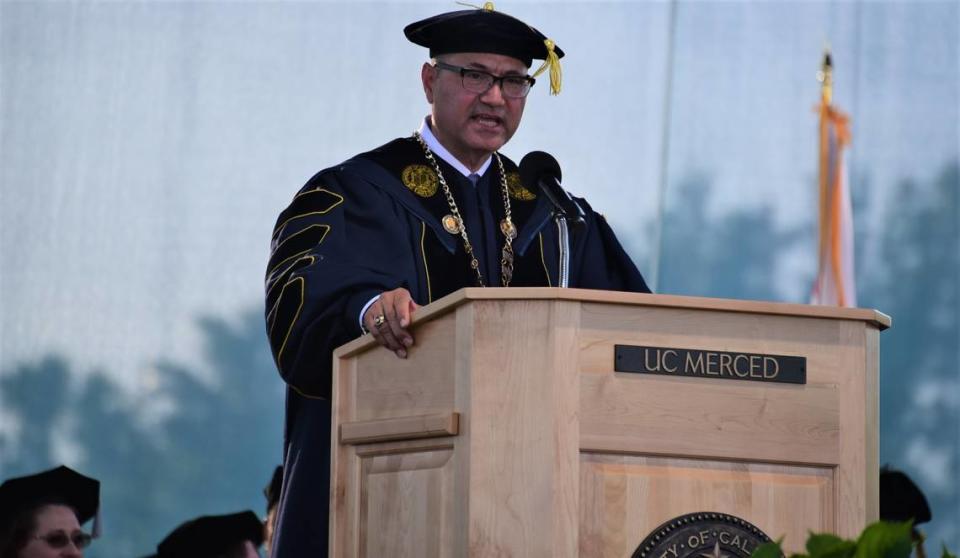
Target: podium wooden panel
(507,432)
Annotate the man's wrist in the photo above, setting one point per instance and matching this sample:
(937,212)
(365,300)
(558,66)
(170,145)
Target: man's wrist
(363,312)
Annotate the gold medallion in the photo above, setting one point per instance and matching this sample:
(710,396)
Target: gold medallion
(517,191)
(420,179)
(451,224)
(507,228)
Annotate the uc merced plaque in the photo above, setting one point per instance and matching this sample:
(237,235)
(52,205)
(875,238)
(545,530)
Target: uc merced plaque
(721,365)
(702,535)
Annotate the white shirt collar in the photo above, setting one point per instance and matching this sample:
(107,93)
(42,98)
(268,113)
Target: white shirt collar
(441,151)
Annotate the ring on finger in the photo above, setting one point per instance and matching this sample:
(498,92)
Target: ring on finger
(379,320)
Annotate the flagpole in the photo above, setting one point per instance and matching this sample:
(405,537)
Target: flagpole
(825,77)
(835,275)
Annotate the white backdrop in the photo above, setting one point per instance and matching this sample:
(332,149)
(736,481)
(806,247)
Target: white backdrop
(147,147)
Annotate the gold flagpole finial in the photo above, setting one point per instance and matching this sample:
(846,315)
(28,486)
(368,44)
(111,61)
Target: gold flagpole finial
(825,77)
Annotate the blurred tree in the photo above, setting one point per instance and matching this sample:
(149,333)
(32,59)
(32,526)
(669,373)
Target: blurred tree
(914,276)
(124,455)
(226,432)
(221,438)
(730,256)
(36,396)
(211,453)
(917,282)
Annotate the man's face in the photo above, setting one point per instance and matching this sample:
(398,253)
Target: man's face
(472,125)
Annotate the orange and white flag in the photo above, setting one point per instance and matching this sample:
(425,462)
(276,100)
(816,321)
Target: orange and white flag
(835,278)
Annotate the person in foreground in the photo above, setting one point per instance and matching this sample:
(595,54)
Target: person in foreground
(232,535)
(41,514)
(367,242)
(902,500)
(271,493)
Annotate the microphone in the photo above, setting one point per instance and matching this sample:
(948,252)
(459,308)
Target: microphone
(542,169)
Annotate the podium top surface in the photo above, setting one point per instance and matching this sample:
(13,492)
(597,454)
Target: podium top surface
(463,296)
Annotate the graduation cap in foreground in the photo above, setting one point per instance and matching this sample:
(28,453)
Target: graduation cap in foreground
(901,499)
(211,535)
(487,30)
(61,485)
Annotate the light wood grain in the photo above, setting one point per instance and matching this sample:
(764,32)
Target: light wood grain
(721,419)
(871,398)
(464,296)
(405,504)
(524,429)
(558,455)
(623,498)
(400,428)
(858,474)
(390,387)
(344,464)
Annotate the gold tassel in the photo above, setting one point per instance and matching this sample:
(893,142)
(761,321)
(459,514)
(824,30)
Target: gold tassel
(488,6)
(553,62)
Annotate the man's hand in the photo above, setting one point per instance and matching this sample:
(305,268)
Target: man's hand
(388,318)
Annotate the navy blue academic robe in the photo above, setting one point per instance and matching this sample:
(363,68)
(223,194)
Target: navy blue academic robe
(373,224)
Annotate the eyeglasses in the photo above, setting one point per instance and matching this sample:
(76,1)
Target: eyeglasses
(478,81)
(59,539)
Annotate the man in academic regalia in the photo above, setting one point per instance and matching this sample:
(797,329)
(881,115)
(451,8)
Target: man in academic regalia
(368,241)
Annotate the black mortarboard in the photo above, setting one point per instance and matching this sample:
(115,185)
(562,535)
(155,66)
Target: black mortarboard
(272,491)
(210,535)
(61,485)
(486,30)
(901,499)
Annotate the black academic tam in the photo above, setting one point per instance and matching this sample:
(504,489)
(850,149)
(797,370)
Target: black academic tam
(483,30)
(211,535)
(61,485)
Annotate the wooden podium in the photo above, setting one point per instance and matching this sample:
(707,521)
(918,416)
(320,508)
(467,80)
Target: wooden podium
(507,431)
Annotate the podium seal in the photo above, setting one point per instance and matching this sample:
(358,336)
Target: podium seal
(702,535)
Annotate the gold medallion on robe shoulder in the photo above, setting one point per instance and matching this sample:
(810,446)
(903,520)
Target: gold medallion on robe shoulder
(516,188)
(420,179)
